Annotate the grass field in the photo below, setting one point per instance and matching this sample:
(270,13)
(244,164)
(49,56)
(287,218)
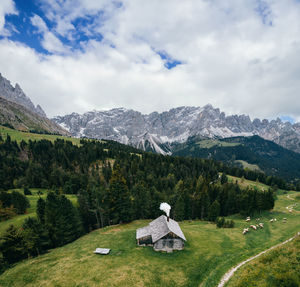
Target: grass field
(248,165)
(26,136)
(279,267)
(244,183)
(211,143)
(208,254)
(19,219)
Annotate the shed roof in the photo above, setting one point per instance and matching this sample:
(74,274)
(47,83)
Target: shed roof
(143,232)
(159,228)
(102,251)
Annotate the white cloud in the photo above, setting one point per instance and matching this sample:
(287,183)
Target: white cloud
(63,13)
(7,7)
(39,23)
(233,57)
(49,41)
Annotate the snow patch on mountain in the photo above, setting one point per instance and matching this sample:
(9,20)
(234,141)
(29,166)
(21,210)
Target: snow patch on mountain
(156,130)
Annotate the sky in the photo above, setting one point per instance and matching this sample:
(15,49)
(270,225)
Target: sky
(80,55)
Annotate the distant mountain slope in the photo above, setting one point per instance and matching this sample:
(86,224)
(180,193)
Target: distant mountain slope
(268,156)
(20,118)
(157,131)
(16,95)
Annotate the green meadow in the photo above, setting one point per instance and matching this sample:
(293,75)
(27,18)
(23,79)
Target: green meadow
(279,267)
(245,183)
(211,143)
(208,254)
(248,165)
(26,136)
(30,212)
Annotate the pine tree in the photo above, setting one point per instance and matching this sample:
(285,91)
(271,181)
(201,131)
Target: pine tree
(179,213)
(224,178)
(119,197)
(20,202)
(214,211)
(36,237)
(53,219)
(12,245)
(142,201)
(71,227)
(203,203)
(40,210)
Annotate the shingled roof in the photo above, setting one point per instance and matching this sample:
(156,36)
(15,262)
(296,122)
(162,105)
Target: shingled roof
(159,228)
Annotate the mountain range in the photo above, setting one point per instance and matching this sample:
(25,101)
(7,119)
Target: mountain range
(159,131)
(204,132)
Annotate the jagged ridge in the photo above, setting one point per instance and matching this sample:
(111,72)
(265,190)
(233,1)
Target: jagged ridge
(16,95)
(157,130)
(20,118)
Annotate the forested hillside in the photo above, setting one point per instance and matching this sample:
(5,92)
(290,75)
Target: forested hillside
(119,174)
(115,183)
(267,156)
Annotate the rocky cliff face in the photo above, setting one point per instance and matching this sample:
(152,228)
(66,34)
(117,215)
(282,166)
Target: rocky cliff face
(157,131)
(16,95)
(20,118)
(18,111)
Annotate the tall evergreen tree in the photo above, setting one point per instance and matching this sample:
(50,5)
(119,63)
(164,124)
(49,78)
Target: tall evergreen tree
(179,212)
(12,245)
(53,219)
(214,211)
(40,210)
(203,203)
(71,227)
(36,237)
(119,199)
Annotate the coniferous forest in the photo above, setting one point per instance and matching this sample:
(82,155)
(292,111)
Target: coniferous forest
(114,183)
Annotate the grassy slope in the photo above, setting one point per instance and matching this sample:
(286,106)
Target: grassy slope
(209,253)
(281,265)
(211,143)
(276,265)
(244,183)
(26,136)
(18,220)
(248,165)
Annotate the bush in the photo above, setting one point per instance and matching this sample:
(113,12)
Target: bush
(222,223)
(27,191)
(20,202)
(6,212)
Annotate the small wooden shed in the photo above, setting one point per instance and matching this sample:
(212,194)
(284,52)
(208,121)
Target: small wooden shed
(163,233)
(102,251)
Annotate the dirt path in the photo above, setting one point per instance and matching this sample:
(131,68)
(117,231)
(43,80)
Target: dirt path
(230,273)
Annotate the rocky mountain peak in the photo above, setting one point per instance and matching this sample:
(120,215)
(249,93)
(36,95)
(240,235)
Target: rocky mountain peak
(158,130)
(16,95)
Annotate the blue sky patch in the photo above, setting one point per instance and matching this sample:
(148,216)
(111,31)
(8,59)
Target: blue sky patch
(265,12)
(22,30)
(287,119)
(169,62)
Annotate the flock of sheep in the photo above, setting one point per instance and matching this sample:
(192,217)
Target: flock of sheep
(259,225)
